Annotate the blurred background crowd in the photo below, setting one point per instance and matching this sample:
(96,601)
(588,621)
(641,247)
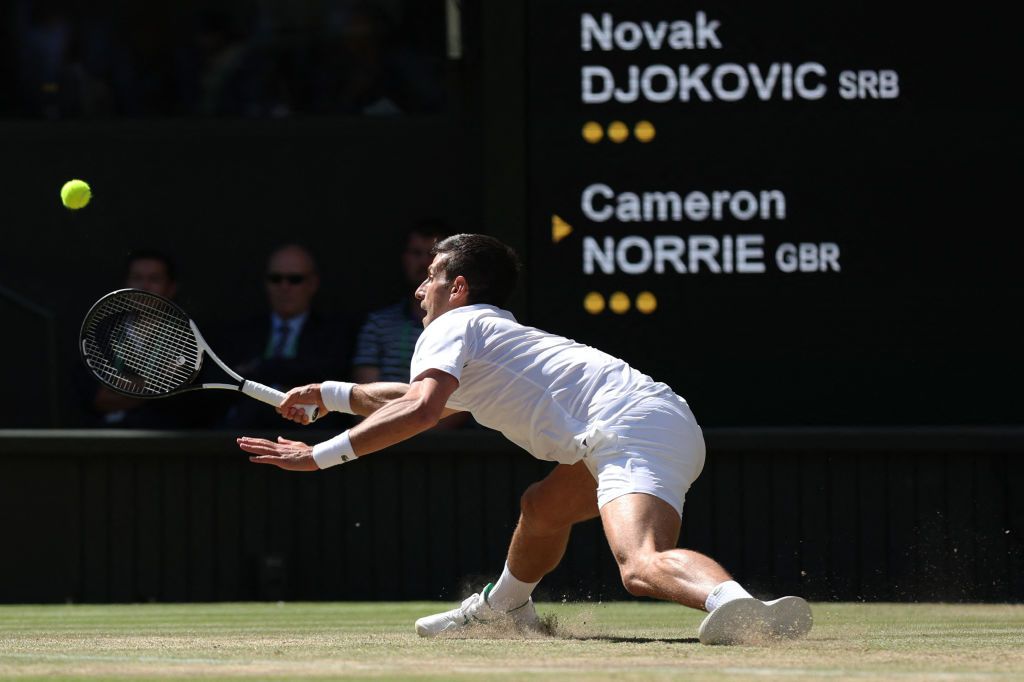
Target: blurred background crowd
(265,58)
(292,342)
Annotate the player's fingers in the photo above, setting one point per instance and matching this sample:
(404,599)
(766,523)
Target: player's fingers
(292,397)
(286,463)
(267,459)
(251,439)
(289,399)
(296,415)
(260,449)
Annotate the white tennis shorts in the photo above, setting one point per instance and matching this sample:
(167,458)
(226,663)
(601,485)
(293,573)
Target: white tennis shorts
(654,446)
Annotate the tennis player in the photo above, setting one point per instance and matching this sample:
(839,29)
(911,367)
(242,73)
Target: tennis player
(627,447)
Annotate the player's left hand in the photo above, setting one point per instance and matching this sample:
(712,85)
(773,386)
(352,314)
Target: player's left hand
(290,455)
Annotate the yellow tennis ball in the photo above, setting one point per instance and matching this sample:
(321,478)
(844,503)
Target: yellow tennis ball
(75,194)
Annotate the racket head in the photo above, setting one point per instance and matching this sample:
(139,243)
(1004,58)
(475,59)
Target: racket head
(140,344)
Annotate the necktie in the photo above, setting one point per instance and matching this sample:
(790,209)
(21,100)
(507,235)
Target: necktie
(281,333)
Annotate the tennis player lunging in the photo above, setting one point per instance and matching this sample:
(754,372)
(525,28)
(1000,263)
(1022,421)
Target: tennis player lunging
(627,448)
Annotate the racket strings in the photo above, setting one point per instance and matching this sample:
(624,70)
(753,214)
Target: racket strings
(130,366)
(140,344)
(155,350)
(170,343)
(139,359)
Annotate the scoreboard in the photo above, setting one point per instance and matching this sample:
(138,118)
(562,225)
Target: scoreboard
(793,213)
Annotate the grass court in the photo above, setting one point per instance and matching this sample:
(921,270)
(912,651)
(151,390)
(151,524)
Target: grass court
(621,641)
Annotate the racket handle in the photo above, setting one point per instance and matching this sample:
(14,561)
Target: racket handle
(274,397)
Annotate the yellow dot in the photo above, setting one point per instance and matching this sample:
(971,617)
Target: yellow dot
(618,302)
(593,303)
(644,131)
(646,302)
(592,132)
(617,131)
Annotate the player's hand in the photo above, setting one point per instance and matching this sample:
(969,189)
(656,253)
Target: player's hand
(290,455)
(301,395)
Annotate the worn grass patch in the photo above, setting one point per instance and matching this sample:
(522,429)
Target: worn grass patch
(629,641)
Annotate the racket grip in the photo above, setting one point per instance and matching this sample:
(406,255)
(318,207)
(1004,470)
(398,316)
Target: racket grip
(271,396)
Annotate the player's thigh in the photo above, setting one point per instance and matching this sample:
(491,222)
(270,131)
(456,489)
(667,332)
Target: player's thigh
(637,524)
(566,496)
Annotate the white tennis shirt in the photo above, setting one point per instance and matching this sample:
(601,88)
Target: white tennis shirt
(542,391)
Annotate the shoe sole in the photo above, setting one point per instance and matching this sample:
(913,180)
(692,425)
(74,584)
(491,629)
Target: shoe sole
(789,618)
(740,621)
(750,621)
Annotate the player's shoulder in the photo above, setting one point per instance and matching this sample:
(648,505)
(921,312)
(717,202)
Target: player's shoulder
(475,317)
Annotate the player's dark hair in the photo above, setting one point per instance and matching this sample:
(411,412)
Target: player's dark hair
(151,254)
(490,267)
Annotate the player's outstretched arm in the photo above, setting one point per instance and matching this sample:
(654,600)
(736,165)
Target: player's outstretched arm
(360,399)
(420,408)
(368,398)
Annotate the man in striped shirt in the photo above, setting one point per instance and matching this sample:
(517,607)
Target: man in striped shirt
(386,340)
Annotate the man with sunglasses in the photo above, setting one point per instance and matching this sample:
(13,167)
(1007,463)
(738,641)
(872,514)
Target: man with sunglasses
(293,344)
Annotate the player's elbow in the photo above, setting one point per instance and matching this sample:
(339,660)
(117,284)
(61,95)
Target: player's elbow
(426,415)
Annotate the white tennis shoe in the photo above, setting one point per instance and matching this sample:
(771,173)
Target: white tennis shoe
(751,621)
(476,610)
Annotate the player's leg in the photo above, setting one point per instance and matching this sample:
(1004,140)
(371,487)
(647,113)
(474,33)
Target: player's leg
(642,532)
(646,461)
(549,508)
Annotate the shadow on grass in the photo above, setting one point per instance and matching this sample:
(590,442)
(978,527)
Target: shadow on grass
(636,640)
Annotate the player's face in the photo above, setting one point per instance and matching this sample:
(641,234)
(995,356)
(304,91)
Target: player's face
(435,293)
(150,275)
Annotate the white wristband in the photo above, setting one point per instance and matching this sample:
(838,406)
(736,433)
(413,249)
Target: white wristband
(337,450)
(336,396)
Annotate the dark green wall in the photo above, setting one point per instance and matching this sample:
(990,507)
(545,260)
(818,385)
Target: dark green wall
(880,515)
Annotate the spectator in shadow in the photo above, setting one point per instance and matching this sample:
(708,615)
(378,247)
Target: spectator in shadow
(151,271)
(221,74)
(54,71)
(364,69)
(291,346)
(387,338)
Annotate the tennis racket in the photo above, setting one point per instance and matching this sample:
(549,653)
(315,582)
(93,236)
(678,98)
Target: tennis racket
(144,346)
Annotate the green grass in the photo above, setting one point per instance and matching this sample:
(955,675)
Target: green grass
(630,641)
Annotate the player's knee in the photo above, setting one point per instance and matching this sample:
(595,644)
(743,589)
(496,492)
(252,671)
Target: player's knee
(633,579)
(637,571)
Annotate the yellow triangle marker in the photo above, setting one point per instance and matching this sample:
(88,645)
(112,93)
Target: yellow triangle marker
(559,229)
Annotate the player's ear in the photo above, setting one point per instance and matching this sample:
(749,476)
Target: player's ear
(460,287)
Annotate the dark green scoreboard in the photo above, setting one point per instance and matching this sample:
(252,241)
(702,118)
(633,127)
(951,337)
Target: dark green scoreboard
(794,213)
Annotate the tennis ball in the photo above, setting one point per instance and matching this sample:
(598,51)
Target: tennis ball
(75,194)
